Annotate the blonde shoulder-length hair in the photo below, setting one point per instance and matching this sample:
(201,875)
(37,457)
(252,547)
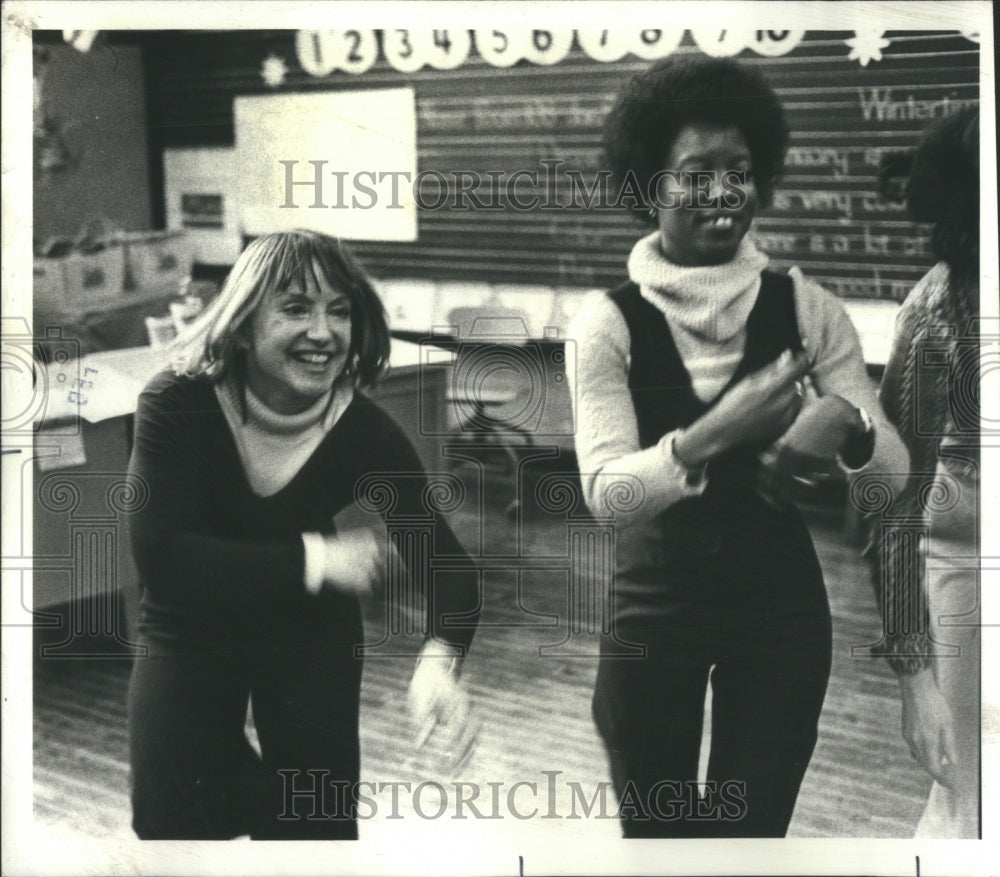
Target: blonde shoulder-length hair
(213,346)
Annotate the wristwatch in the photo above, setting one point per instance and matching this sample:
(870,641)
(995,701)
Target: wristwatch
(868,425)
(859,447)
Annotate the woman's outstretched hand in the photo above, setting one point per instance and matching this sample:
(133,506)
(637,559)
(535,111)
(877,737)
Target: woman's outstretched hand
(759,408)
(440,706)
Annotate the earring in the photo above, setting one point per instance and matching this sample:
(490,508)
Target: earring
(652,211)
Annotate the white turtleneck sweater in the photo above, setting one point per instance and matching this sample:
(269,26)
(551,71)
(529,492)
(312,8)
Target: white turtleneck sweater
(706,309)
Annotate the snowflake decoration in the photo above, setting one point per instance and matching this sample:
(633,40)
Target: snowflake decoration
(866,45)
(81,40)
(274,70)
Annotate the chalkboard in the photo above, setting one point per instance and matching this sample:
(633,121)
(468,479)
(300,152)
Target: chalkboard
(826,218)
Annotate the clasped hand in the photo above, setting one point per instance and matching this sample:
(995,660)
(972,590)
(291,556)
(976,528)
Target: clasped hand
(355,561)
(807,454)
(771,406)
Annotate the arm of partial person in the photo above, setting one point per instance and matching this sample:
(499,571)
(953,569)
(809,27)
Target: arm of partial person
(898,579)
(900,586)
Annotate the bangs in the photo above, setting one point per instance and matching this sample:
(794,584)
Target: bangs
(296,259)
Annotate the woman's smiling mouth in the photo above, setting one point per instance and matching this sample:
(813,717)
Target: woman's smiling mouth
(313,357)
(721,222)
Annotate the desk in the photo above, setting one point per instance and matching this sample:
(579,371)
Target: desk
(82,447)
(104,385)
(96,323)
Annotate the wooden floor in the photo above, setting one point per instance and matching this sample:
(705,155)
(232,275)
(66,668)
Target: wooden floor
(534,713)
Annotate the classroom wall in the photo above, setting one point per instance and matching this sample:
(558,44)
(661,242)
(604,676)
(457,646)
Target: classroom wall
(97,99)
(827,218)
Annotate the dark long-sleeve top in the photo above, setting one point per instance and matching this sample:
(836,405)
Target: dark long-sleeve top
(209,549)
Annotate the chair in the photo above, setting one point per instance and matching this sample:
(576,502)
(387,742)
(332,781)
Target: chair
(491,382)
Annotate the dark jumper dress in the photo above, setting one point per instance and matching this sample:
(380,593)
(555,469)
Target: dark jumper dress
(722,581)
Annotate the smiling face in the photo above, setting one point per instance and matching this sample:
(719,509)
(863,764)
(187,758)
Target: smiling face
(700,170)
(299,343)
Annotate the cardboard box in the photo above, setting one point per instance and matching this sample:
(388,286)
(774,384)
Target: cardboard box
(157,258)
(49,281)
(95,275)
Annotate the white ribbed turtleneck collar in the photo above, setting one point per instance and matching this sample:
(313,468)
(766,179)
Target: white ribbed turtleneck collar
(709,301)
(325,410)
(274,446)
(274,421)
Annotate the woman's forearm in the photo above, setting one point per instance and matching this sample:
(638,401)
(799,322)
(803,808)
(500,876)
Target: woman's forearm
(190,569)
(838,369)
(697,444)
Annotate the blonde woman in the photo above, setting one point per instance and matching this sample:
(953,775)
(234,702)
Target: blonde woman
(248,593)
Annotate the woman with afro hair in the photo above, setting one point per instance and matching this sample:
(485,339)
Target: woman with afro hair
(718,390)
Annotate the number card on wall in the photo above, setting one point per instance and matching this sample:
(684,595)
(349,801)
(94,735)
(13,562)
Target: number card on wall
(337,162)
(409,50)
(502,48)
(320,52)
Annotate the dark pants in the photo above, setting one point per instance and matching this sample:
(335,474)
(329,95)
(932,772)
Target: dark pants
(195,774)
(755,621)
